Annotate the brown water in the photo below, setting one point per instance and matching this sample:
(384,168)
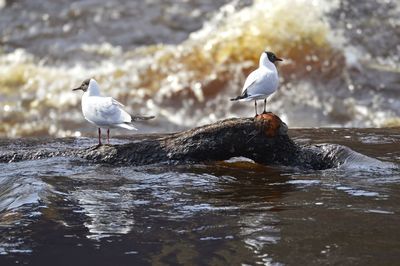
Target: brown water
(183,60)
(69,212)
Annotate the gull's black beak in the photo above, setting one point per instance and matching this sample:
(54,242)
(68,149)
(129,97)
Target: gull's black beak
(278,59)
(76,89)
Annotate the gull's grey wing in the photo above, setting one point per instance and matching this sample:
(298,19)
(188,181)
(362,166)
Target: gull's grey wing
(260,82)
(106,110)
(252,78)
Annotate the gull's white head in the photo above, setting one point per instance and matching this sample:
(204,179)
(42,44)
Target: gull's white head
(90,87)
(267,58)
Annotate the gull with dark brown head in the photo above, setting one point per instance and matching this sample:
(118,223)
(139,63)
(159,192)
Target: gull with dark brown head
(105,112)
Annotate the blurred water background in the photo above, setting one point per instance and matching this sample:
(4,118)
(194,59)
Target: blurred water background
(182,60)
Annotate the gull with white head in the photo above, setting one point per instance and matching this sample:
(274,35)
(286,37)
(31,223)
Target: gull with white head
(262,82)
(105,112)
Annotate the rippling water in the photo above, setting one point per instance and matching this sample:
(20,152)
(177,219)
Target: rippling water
(183,60)
(224,213)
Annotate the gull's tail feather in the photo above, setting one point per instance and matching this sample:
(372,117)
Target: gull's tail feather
(141,118)
(127,126)
(240,97)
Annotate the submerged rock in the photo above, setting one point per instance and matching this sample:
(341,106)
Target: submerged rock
(263,139)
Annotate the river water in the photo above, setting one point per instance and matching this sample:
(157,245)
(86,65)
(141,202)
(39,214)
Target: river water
(72,212)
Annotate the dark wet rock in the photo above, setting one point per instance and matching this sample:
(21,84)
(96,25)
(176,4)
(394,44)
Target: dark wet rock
(263,139)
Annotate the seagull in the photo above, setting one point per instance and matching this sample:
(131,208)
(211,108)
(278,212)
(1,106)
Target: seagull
(262,82)
(104,112)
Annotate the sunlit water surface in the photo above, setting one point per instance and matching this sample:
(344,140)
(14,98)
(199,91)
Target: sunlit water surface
(72,212)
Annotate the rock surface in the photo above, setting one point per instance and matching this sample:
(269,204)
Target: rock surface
(263,139)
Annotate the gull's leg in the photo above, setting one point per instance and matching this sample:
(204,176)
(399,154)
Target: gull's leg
(255,106)
(265,104)
(99,136)
(108,136)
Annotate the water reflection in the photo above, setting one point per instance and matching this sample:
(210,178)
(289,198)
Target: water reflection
(107,212)
(247,194)
(226,213)
(204,206)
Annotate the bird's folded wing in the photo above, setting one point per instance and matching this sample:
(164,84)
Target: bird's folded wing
(107,106)
(111,111)
(261,83)
(253,78)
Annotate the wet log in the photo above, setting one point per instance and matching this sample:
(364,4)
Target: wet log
(263,139)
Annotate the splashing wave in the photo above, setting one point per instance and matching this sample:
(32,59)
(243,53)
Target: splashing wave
(326,79)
